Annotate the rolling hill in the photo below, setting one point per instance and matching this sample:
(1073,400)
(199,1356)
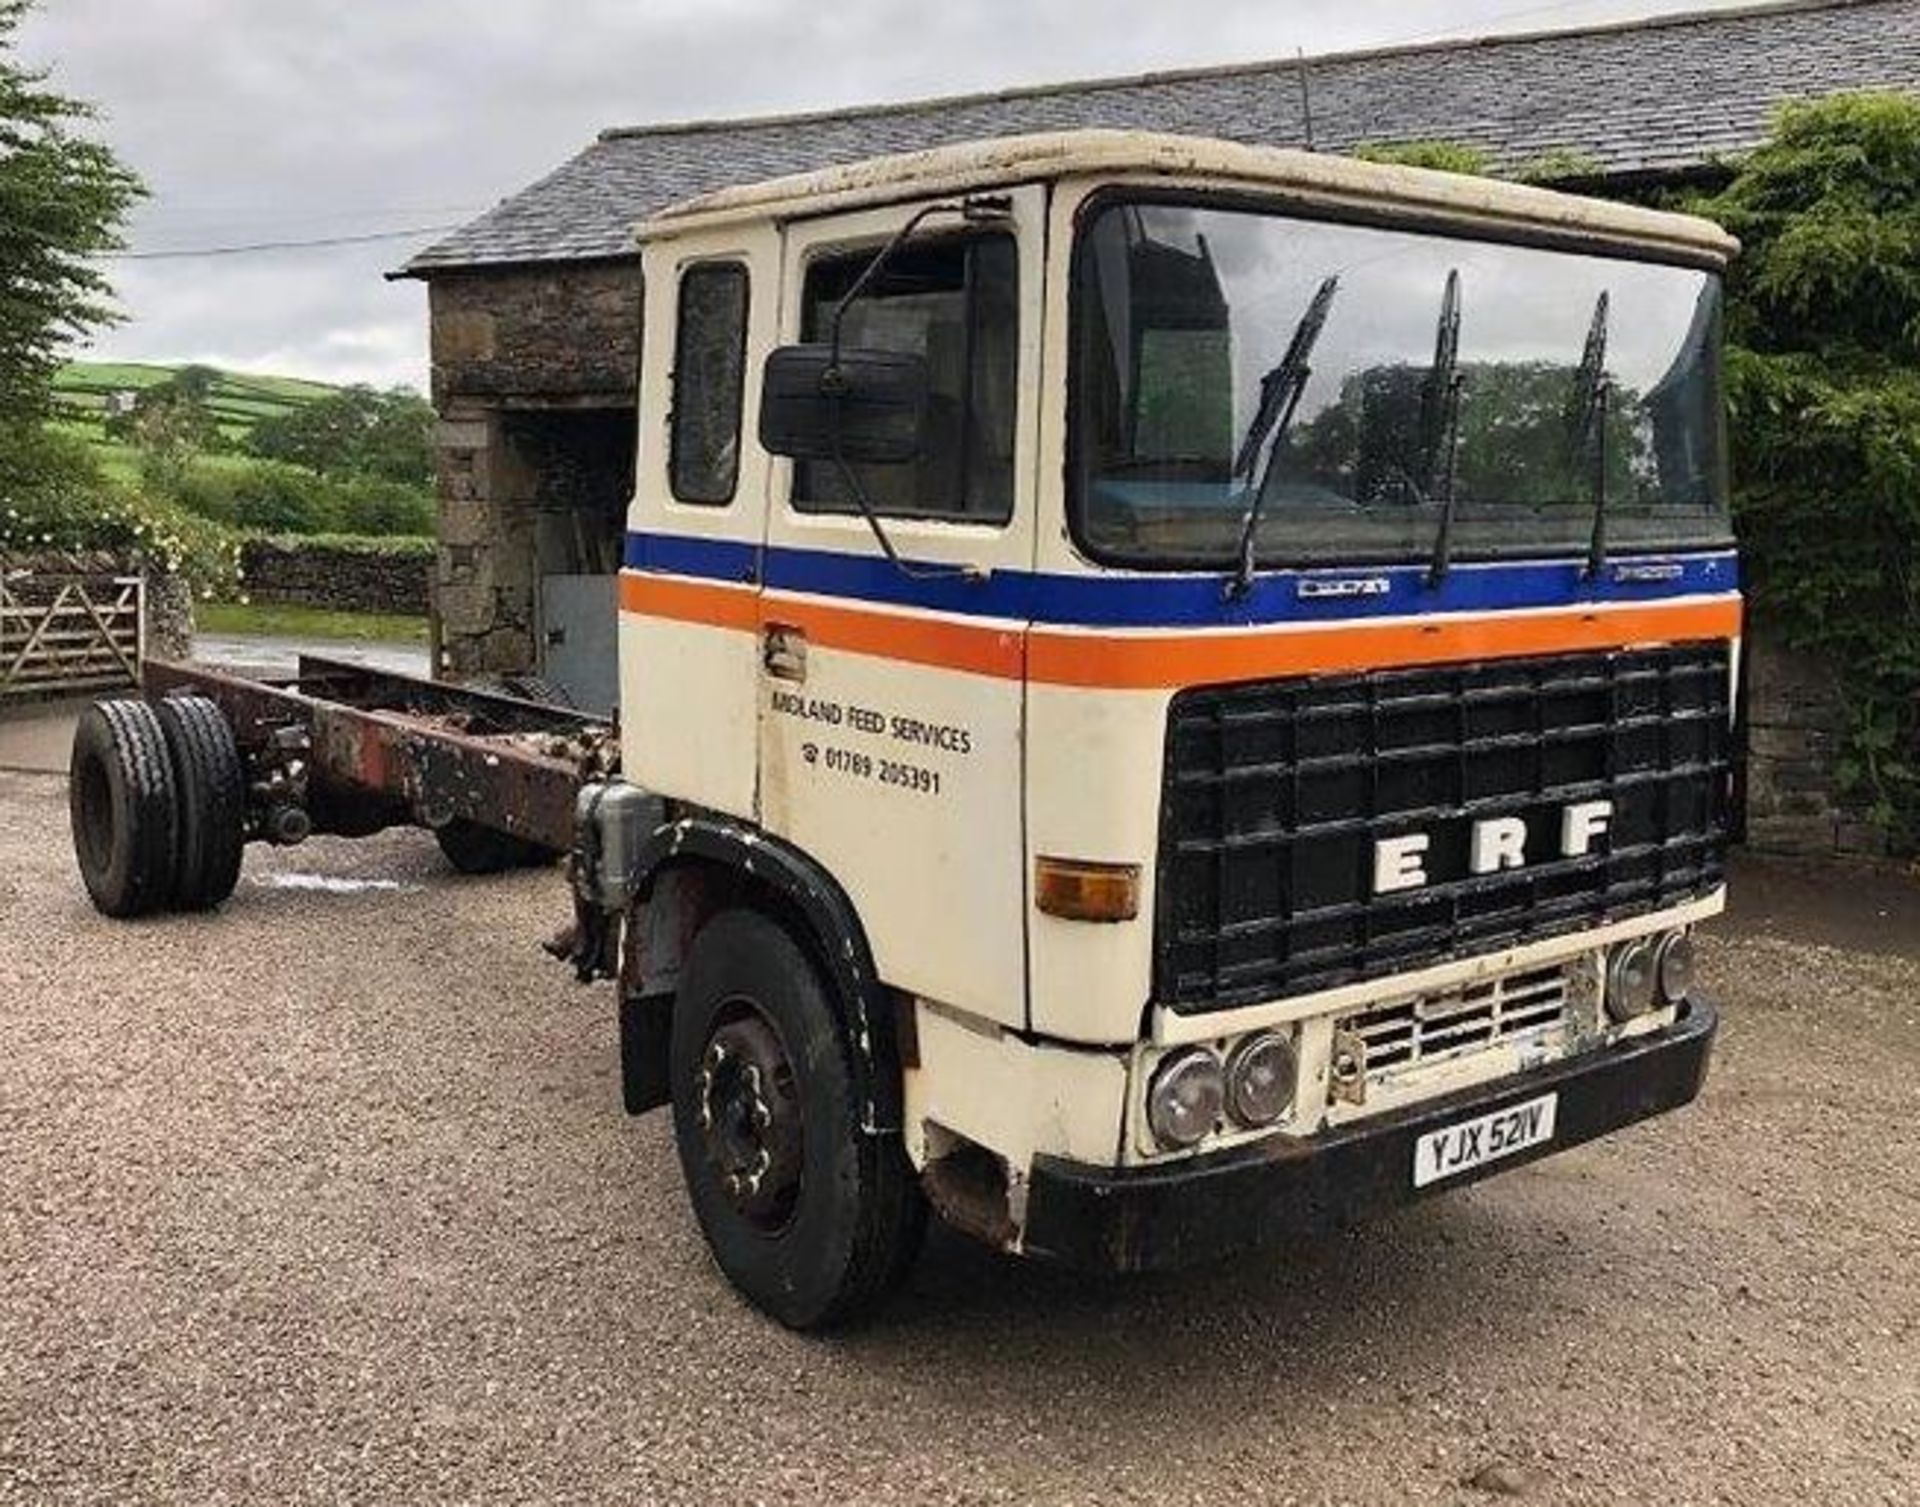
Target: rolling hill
(239,400)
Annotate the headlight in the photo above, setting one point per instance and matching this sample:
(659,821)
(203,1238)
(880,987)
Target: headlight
(1630,979)
(1260,1078)
(1673,967)
(1184,1099)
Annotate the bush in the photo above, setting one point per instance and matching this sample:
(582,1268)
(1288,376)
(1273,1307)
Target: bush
(273,497)
(381,508)
(1824,398)
(53,496)
(277,498)
(1441,156)
(40,464)
(208,492)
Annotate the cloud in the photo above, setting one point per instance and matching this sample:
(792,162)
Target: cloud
(256,121)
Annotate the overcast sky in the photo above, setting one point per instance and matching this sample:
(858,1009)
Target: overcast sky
(274,120)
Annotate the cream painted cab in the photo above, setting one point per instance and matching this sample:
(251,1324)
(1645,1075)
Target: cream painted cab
(1113,625)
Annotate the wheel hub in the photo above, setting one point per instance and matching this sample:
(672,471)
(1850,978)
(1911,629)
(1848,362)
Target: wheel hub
(750,1117)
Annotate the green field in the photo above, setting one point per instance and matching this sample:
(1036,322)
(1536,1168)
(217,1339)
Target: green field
(283,620)
(239,401)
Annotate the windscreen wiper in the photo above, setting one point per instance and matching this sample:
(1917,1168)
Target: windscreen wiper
(1280,391)
(1442,405)
(1587,419)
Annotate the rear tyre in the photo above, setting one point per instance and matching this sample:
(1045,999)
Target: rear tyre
(475,849)
(211,788)
(122,805)
(815,1221)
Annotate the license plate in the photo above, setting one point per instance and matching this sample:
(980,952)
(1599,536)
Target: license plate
(1453,1149)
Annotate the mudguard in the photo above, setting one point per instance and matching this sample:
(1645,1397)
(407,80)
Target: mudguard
(811,901)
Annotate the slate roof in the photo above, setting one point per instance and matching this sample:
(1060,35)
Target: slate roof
(1646,99)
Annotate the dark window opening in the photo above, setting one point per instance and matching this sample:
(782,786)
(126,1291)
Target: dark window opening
(572,475)
(954,301)
(709,371)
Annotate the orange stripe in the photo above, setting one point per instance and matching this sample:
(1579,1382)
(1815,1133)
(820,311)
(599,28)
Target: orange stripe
(917,640)
(999,652)
(1166,661)
(691,602)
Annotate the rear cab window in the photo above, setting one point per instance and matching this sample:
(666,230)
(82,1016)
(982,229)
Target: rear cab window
(709,379)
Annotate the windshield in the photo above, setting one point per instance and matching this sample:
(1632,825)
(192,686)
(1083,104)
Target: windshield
(1353,377)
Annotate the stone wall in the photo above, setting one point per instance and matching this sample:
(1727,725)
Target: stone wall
(486,570)
(306,573)
(567,335)
(1796,727)
(169,616)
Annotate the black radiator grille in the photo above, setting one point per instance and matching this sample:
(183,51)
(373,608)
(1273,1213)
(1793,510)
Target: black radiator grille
(1277,791)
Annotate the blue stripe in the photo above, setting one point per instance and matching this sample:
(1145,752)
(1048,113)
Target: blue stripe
(1192,601)
(680,555)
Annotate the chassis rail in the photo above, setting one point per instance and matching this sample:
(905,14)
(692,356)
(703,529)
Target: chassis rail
(358,750)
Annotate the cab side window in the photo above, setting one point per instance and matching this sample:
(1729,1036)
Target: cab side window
(954,301)
(709,376)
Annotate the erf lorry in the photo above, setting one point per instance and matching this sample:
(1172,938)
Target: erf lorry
(1173,696)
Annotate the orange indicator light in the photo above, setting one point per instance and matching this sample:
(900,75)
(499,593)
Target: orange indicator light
(1076,890)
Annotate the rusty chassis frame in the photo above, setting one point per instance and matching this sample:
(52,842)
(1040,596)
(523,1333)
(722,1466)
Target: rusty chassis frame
(343,749)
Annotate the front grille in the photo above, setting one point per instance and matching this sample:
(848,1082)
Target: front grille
(1276,793)
(1452,1023)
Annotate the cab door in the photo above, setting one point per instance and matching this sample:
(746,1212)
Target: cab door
(892,696)
(689,650)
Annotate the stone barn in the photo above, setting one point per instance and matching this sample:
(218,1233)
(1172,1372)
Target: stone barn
(535,305)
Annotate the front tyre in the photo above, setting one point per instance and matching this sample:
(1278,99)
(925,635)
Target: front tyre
(814,1220)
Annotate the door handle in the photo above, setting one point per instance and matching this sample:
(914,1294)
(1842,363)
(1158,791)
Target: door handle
(783,651)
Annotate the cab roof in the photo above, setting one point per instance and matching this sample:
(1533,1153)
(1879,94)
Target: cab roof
(1311,178)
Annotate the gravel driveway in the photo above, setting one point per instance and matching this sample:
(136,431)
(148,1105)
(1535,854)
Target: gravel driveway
(329,1197)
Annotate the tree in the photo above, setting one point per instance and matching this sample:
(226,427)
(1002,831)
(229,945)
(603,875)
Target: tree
(171,430)
(175,413)
(62,201)
(1824,397)
(355,431)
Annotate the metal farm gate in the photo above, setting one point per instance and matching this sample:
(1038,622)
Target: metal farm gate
(63,632)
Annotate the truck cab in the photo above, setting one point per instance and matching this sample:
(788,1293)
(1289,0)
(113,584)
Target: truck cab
(1173,695)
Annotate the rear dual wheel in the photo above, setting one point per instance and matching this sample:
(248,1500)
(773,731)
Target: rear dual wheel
(157,801)
(475,849)
(212,786)
(124,808)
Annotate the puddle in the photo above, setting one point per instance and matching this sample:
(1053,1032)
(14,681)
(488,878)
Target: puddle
(329,884)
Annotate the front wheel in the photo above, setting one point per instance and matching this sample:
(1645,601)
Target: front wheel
(813,1219)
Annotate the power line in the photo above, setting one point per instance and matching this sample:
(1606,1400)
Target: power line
(243,212)
(248,248)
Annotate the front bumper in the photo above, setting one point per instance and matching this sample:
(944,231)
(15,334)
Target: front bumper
(1149,1218)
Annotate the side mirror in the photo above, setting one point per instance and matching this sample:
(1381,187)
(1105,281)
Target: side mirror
(877,400)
